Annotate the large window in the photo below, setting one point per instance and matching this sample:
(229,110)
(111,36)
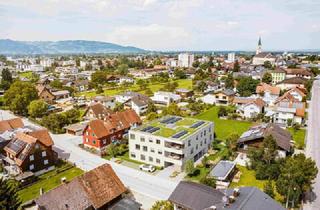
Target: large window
(137,146)
(132,136)
(145,148)
(142,157)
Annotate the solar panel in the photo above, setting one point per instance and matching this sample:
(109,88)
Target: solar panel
(146,128)
(179,134)
(165,121)
(154,129)
(197,124)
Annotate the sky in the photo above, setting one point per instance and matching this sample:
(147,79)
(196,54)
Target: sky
(167,24)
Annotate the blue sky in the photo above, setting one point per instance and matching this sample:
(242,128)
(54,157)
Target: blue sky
(167,24)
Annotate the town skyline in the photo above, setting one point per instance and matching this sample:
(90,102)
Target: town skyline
(186,26)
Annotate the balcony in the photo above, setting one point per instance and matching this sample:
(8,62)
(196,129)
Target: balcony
(173,156)
(173,146)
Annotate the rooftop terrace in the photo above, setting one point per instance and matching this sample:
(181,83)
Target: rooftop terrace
(173,127)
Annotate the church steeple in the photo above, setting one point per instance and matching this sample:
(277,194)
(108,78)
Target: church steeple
(259,48)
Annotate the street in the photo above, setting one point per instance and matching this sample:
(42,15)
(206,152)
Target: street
(146,187)
(313,144)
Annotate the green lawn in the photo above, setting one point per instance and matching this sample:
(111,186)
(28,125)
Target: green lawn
(182,83)
(248,179)
(27,74)
(49,181)
(298,137)
(223,128)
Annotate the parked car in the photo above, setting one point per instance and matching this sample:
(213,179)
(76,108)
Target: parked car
(147,167)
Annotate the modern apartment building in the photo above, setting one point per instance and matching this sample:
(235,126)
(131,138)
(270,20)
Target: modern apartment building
(171,140)
(185,60)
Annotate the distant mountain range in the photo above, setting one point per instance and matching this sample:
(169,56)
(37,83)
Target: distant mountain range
(8,46)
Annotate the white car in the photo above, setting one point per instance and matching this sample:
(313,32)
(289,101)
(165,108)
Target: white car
(147,167)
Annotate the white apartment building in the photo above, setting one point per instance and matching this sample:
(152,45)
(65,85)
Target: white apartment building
(185,60)
(171,141)
(231,57)
(46,62)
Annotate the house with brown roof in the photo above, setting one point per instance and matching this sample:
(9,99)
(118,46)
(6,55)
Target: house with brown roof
(253,138)
(268,92)
(96,111)
(107,101)
(99,188)
(11,124)
(298,72)
(292,83)
(45,94)
(99,133)
(224,97)
(252,108)
(30,151)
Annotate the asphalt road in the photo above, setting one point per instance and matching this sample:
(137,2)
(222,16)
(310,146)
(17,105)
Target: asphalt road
(313,144)
(66,145)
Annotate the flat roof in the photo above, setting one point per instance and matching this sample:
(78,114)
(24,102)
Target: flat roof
(173,127)
(222,169)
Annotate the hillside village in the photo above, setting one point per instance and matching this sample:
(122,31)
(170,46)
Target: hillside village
(151,131)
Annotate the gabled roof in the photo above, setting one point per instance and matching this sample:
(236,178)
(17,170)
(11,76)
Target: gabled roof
(294,80)
(99,110)
(281,136)
(265,55)
(42,136)
(196,196)
(302,72)
(95,189)
(264,87)
(11,124)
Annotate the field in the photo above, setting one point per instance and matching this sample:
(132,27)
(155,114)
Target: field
(182,83)
(223,128)
(49,181)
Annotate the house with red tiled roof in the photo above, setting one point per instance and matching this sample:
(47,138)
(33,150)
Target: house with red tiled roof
(99,188)
(7,125)
(99,133)
(268,92)
(30,151)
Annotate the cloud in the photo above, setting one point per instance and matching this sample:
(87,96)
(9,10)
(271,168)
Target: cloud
(152,36)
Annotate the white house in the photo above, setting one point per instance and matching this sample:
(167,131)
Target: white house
(165,98)
(208,99)
(107,101)
(268,93)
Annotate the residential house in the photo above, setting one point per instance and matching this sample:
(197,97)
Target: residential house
(292,83)
(251,108)
(99,189)
(268,93)
(96,111)
(45,94)
(224,97)
(99,133)
(138,103)
(208,99)
(289,107)
(299,72)
(81,85)
(171,141)
(165,98)
(184,93)
(30,151)
(108,101)
(7,129)
(278,75)
(255,135)
(124,79)
(190,195)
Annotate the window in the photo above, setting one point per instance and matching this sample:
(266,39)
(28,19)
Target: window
(44,154)
(197,147)
(104,141)
(31,167)
(93,135)
(46,162)
(94,142)
(142,139)
(145,148)
(31,157)
(159,152)
(150,159)
(152,150)
(87,139)
(132,136)
(158,160)
(191,152)
(201,143)
(142,157)
(158,141)
(150,140)
(133,155)
(205,132)
(37,146)
(189,143)
(137,146)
